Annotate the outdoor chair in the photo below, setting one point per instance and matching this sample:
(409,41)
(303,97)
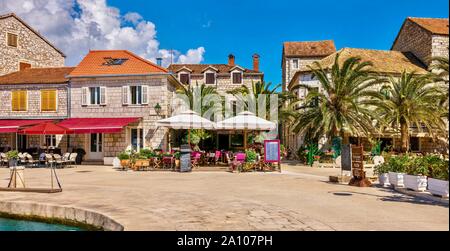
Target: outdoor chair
(4,159)
(239,160)
(155,163)
(168,162)
(217,156)
(22,158)
(49,160)
(30,161)
(58,160)
(195,160)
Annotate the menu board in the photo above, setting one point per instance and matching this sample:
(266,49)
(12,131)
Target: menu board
(272,151)
(357,161)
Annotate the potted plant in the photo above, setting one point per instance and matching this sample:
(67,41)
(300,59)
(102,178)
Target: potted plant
(250,156)
(124,158)
(12,156)
(416,174)
(177,156)
(382,170)
(397,170)
(438,180)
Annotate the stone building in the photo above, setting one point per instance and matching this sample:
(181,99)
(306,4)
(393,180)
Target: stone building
(298,55)
(29,97)
(22,47)
(114,101)
(424,37)
(224,77)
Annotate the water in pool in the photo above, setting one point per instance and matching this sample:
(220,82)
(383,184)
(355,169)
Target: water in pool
(23,225)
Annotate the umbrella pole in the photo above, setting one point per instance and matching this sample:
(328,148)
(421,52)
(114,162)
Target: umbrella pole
(245,140)
(189,137)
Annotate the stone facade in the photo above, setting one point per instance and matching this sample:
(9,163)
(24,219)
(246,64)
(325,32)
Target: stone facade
(224,82)
(33,101)
(160,90)
(31,49)
(422,43)
(289,69)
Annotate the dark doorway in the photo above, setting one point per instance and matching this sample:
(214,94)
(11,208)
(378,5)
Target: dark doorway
(224,141)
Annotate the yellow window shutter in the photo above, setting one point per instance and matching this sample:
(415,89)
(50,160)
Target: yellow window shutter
(15,100)
(19,100)
(23,100)
(52,100)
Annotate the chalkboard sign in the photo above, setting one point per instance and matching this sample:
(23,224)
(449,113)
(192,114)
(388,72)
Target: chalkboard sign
(272,151)
(346,158)
(358,161)
(185,158)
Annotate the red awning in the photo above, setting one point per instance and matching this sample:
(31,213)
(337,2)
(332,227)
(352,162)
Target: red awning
(97,125)
(47,128)
(13,125)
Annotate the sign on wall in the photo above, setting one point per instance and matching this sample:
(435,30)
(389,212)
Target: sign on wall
(272,151)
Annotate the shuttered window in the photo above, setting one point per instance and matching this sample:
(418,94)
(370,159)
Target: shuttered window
(19,100)
(237,78)
(125,95)
(210,78)
(12,40)
(84,93)
(145,95)
(102,95)
(185,79)
(48,100)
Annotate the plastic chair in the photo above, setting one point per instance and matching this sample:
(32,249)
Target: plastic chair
(196,159)
(217,157)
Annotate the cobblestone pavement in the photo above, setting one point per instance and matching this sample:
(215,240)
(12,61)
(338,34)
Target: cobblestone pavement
(226,201)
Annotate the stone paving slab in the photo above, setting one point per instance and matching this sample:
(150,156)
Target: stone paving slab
(231,201)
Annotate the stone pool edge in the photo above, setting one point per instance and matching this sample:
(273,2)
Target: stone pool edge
(49,211)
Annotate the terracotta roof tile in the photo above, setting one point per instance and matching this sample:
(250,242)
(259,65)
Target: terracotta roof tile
(437,26)
(309,48)
(95,64)
(200,68)
(55,75)
(391,62)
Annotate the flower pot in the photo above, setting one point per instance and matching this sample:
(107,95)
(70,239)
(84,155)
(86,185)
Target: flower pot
(12,162)
(125,162)
(438,187)
(396,179)
(415,182)
(177,163)
(384,179)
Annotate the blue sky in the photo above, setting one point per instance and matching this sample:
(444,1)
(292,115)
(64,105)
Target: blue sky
(245,27)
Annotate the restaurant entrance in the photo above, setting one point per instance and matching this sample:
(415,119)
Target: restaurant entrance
(96,146)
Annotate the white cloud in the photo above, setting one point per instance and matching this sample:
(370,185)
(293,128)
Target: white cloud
(75,26)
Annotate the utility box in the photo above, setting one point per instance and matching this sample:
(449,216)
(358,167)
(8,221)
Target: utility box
(185,159)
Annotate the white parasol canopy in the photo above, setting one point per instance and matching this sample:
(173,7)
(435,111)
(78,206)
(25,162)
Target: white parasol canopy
(246,121)
(186,120)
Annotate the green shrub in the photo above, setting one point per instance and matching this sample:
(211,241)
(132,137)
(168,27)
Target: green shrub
(417,166)
(250,156)
(14,154)
(438,168)
(382,168)
(123,156)
(398,163)
(145,153)
(302,153)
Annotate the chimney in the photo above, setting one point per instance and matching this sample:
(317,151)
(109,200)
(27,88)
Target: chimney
(159,61)
(256,62)
(231,60)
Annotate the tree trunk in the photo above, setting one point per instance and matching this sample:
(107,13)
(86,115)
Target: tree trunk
(345,138)
(404,135)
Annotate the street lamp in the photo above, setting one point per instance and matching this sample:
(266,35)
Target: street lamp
(158,108)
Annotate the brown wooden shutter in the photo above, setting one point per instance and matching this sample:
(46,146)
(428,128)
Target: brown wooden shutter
(210,78)
(12,40)
(184,78)
(237,78)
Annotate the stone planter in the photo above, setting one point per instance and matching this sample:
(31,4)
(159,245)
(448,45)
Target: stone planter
(384,179)
(415,182)
(396,179)
(438,187)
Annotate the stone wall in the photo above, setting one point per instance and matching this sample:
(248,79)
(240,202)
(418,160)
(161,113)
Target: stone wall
(440,46)
(413,38)
(31,48)
(34,101)
(289,71)
(224,82)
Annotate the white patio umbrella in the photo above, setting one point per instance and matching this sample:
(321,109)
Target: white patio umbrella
(186,120)
(246,121)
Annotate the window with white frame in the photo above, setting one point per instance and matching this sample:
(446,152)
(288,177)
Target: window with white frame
(50,140)
(93,96)
(137,138)
(135,95)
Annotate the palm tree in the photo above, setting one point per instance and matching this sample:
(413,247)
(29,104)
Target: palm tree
(341,107)
(249,96)
(440,66)
(411,100)
(198,97)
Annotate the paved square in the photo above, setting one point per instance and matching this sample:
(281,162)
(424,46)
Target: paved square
(293,200)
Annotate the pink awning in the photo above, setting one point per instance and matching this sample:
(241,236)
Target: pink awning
(97,125)
(13,125)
